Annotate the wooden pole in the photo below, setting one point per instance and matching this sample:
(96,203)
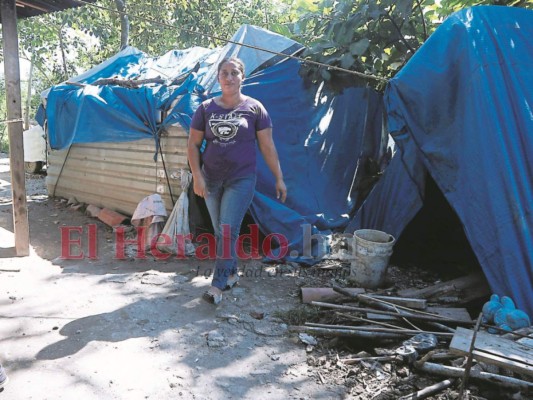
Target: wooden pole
(407,332)
(391,313)
(428,391)
(468,366)
(347,333)
(456,372)
(14,126)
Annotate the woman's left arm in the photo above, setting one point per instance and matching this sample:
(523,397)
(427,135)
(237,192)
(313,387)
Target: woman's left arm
(270,154)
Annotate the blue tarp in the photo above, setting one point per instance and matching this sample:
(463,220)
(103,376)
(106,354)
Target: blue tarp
(320,136)
(461,110)
(84,113)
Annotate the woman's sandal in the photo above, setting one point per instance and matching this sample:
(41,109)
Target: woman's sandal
(212,297)
(232,281)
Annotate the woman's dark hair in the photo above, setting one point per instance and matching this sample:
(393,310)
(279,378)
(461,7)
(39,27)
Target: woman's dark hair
(234,60)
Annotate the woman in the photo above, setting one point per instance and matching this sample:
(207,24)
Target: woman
(231,124)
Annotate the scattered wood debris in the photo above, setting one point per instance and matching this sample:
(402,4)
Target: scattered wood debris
(458,291)
(404,367)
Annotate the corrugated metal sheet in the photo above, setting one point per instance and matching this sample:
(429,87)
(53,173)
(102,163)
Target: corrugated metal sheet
(119,175)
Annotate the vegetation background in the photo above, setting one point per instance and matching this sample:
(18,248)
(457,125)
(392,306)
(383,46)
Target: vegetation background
(374,38)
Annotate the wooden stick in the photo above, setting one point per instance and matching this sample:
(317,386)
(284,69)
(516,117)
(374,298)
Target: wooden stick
(416,304)
(444,356)
(406,311)
(468,366)
(129,83)
(365,310)
(407,332)
(456,372)
(328,295)
(428,391)
(409,323)
(322,380)
(373,300)
(76,84)
(346,332)
(395,309)
(350,361)
(353,317)
(345,292)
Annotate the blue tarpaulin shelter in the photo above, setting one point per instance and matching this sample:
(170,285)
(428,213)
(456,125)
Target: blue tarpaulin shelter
(461,111)
(320,135)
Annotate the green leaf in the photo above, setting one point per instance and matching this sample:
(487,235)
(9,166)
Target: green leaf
(404,8)
(326,45)
(281,29)
(326,75)
(347,61)
(359,47)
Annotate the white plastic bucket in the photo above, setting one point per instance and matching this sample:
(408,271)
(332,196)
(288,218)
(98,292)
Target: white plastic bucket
(372,252)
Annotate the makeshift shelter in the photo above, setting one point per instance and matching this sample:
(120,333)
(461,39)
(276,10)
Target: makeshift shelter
(461,113)
(320,135)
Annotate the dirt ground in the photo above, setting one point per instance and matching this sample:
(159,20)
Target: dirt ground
(137,329)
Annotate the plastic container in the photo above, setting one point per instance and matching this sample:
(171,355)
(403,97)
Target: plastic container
(371,259)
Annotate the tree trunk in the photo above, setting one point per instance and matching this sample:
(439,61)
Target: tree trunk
(124,23)
(63,56)
(28,98)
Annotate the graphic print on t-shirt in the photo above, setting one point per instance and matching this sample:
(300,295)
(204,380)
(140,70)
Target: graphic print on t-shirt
(225,126)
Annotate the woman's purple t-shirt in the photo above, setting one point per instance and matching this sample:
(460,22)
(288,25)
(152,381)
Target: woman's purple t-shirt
(231,137)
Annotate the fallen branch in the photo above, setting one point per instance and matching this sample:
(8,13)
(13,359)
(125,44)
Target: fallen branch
(428,391)
(456,372)
(459,286)
(393,314)
(322,380)
(406,332)
(346,332)
(76,84)
(350,361)
(371,300)
(405,311)
(354,318)
(409,302)
(324,294)
(443,356)
(128,83)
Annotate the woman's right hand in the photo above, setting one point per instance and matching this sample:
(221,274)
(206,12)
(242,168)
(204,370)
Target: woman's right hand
(199,186)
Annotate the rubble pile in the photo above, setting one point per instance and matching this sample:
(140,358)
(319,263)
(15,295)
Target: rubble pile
(419,342)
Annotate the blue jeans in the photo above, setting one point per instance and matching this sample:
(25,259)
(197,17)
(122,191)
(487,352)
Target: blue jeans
(227,202)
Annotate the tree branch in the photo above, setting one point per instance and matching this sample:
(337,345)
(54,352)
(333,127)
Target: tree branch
(402,39)
(423,20)
(43,72)
(62,47)
(124,23)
